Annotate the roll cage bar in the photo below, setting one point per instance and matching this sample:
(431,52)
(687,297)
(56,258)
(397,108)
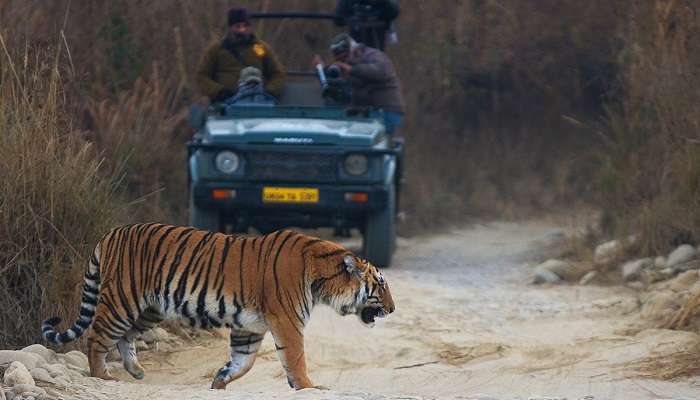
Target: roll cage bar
(292,14)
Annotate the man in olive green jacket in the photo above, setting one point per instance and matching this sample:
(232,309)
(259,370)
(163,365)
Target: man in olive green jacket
(222,62)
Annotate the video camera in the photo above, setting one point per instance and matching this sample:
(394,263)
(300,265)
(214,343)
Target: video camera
(334,89)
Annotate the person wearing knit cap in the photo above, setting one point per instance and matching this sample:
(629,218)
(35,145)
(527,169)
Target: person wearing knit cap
(223,61)
(371,76)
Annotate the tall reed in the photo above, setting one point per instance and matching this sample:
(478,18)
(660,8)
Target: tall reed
(55,202)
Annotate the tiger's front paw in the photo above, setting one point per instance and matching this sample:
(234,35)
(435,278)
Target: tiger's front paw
(135,369)
(219,383)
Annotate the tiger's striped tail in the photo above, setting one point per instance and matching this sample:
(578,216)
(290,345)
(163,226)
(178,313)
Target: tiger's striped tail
(91,291)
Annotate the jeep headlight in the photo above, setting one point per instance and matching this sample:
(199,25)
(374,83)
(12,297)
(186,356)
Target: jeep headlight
(227,162)
(356,164)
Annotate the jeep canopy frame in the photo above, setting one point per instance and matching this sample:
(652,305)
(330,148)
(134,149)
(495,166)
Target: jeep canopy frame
(292,14)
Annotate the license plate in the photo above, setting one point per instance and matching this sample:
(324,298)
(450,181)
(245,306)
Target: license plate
(290,195)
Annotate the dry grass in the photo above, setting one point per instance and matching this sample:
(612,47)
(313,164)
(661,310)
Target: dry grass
(682,364)
(650,176)
(142,133)
(683,317)
(54,201)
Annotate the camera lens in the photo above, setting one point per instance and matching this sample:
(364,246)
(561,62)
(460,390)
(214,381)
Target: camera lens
(333,72)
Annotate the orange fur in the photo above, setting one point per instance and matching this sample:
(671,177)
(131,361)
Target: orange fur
(145,273)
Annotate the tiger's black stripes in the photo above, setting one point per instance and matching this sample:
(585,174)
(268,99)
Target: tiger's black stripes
(332,253)
(220,278)
(173,268)
(182,281)
(201,311)
(158,278)
(147,258)
(301,289)
(264,260)
(121,290)
(240,271)
(285,305)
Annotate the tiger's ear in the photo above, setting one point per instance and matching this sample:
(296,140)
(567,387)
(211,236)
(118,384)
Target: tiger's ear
(352,267)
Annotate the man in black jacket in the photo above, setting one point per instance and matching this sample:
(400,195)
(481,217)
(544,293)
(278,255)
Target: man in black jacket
(368,20)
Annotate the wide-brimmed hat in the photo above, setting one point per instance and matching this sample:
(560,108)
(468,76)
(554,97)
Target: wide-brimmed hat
(250,75)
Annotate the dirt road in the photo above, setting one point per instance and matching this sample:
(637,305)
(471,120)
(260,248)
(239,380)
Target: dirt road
(467,325)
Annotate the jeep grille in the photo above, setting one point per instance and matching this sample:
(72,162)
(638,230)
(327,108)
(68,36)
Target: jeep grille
(297,167)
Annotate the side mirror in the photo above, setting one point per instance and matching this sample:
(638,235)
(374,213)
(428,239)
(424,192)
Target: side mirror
(197,117)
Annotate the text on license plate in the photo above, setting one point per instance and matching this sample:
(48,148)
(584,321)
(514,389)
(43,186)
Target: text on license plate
(290,195)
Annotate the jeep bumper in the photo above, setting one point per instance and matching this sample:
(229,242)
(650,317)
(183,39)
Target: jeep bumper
(247,198)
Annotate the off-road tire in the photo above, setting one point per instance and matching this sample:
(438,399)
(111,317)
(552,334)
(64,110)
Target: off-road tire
(203,219)
(379,238)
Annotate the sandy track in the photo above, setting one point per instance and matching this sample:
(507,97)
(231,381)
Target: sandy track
(467,325)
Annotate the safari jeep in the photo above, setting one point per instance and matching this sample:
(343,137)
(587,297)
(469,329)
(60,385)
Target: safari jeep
(301,163)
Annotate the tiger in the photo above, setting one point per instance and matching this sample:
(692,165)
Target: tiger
(139,275)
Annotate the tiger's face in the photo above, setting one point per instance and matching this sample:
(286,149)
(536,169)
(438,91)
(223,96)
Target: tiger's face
(365,292)
(377,301)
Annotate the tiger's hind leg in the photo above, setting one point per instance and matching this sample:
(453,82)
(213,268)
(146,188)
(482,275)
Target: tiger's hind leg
(244,347)
(127,347)
(97,359)
(105,333)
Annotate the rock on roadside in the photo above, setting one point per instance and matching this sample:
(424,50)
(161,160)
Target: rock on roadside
(46,354)
(18,374)
(42,375)
(686,266)
(75,359)
(632,270)
(148,336)
(682,254)
(30,360)
(660,262)
(606,251)
(588,278)
(545,276)
(162,335)
(141,345)
(559,267)
(57,370)
(25,390)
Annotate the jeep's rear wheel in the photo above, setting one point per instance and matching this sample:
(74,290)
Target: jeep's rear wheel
(379,238)
(203,219)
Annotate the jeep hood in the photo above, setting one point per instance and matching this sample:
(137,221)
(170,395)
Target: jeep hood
(294,131)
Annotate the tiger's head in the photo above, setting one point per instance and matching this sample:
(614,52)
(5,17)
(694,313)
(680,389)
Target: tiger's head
(356,287)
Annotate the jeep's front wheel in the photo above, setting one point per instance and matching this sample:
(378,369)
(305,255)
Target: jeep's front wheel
(379,239)
(203,219)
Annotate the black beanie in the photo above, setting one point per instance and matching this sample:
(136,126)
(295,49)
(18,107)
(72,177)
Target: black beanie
(238,14)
